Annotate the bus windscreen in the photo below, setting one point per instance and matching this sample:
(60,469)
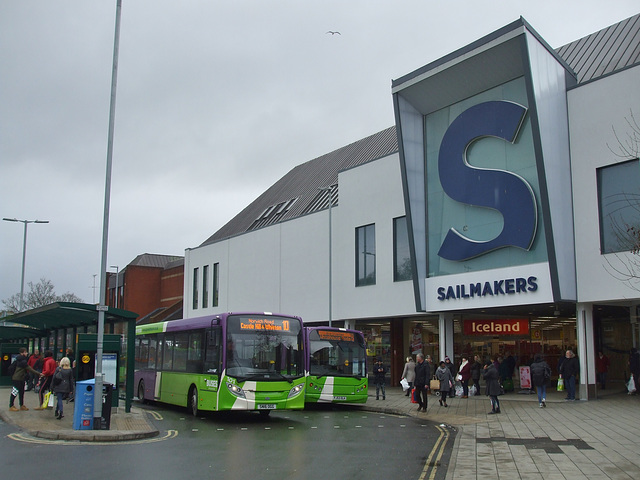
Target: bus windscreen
(264,348)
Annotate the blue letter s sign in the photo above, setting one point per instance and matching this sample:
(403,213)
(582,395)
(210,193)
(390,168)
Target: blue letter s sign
(503,191)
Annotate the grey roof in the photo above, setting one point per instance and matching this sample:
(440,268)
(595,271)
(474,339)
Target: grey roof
(155,260)
(297,193)
(611,49)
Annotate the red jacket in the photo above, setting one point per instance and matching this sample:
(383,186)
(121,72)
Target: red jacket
(49,367)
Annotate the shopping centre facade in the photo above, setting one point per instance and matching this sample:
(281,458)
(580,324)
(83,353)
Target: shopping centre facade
(492,219)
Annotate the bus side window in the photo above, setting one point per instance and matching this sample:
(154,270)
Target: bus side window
(212,351)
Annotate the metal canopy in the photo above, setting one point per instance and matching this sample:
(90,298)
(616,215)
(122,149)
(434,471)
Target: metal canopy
(14,332)
(59,315)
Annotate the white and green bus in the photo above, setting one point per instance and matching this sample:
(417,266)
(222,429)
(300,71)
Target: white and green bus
(336,364)
(231,361)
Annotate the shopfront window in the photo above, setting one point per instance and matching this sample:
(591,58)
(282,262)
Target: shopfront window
(619,206)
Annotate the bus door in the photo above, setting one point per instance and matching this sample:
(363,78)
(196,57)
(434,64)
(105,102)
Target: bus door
(212,359)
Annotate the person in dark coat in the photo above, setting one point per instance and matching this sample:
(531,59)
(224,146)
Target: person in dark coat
(423,375)
(569,371)
(21,369)
(449,364)
(491,378)
(476,371)
(378,379)
(443,373)
(540,374)
(62,385)
(602,367)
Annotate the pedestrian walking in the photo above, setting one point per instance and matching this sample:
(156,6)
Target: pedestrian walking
(464,374)
(423,374)
(602,368)
(62,385)
(379,372)
(443,373)
(491,379)
(569,371)
(540,375)
(19,370)
(476,372)
(48,369)
(449,364)
(409,373)
(634,366)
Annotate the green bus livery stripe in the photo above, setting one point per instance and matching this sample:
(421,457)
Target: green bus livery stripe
(160,327)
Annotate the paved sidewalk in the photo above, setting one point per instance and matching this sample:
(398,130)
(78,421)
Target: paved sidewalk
(598,439)
(43,424)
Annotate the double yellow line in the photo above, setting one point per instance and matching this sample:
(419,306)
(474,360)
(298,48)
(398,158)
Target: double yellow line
(431,465)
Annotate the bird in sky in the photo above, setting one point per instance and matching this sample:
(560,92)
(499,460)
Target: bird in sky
(334,33)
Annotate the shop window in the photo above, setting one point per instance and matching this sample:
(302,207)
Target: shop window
(366,255)
(619,206)
(205,286)
(401,256)
(195,288)
(216,284)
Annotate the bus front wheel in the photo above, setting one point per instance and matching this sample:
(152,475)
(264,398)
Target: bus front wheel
(193,401)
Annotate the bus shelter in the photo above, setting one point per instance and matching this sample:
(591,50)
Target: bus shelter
(56,327)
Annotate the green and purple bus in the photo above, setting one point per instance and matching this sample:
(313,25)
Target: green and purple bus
(336,364)
(230,361)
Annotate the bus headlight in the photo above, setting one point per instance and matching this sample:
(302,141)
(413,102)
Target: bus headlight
(235,390)
(295,390)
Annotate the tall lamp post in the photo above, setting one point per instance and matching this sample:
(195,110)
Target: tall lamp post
(329,190)
(102,306)
(24,252)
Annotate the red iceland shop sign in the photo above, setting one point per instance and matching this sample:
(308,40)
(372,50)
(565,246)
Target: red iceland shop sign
(497,327)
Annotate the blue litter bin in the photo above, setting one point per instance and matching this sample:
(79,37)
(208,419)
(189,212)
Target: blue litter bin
(83,410)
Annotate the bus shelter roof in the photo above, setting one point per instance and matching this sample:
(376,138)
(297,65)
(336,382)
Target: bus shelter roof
(39,321)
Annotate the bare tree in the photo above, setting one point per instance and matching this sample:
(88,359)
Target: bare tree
(39,295)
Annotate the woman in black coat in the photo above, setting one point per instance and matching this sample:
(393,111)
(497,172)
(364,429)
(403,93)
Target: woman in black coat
(540,374)
(491,378)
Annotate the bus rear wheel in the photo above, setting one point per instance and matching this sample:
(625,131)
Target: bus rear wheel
(193,401)
(141,391)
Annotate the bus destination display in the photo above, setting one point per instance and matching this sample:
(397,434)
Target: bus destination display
(336,336)
(269,324)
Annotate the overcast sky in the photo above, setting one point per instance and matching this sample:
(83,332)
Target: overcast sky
(215,102)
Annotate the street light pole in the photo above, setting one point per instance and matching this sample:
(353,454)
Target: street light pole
(329,190)
(102,307)
(24,252)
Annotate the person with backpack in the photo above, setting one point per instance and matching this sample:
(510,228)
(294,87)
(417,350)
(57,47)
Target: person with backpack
(18,371)
(540,374)
(48,369)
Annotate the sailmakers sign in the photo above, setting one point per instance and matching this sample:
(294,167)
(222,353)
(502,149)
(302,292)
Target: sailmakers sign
(484,151)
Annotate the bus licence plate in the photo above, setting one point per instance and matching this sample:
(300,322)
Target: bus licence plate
(339,398)
(266,406)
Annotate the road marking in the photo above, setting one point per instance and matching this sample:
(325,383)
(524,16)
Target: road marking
(433,460)
(24,438)
(157,415)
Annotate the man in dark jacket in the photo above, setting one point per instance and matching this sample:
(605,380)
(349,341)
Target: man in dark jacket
(569,370)
(423,375)
(379,373)
(20,371)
